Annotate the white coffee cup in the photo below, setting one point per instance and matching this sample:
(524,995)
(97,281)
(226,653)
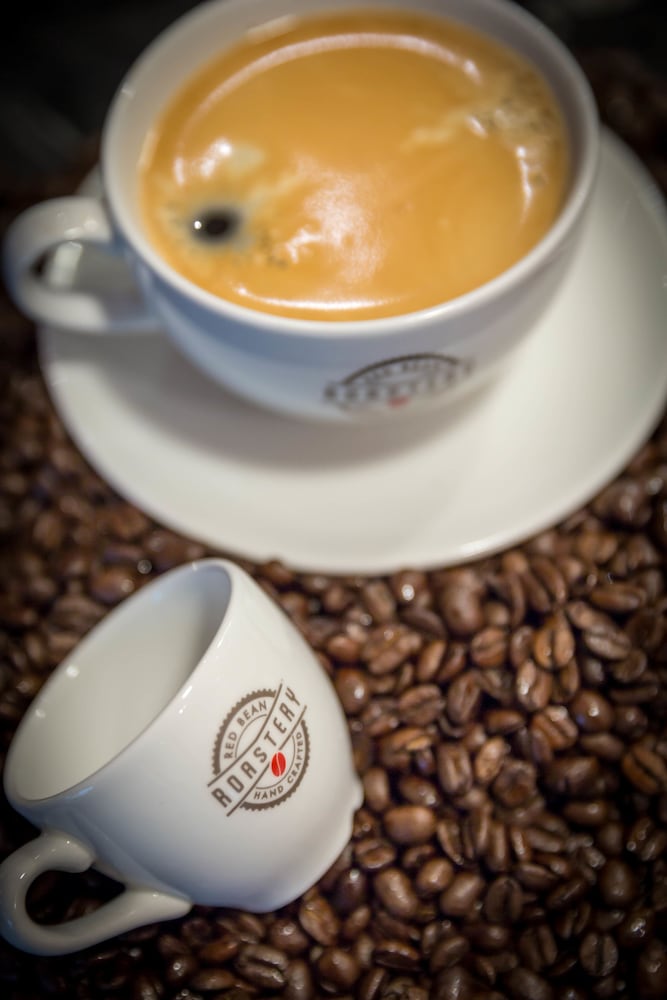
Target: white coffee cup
(348,371)
(191,747)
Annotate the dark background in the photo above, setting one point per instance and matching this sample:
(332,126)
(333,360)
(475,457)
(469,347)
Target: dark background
(60,64)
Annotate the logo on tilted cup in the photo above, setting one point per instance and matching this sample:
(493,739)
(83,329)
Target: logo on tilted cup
(261,751)
(396,382)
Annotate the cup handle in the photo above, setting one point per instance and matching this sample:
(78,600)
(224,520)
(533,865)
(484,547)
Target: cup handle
(41,229)
(52,850)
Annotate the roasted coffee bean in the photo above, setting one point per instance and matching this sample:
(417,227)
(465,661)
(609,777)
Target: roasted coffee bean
(262,965)
(617,597)
(497,856)
(571,923)
(215,980)
(377,793)
(622,502)
(489,759)
(434,876)
(497,684)
(454,983)
(489,967)
(453,663)
(644,840)
(606,746)
(448,832)
(591,712)
(598,954)
(356,923)
(503,721)
(537,947)
(589,814)
(365,827)
(318,919)
(419,791)
(610,838)
(524,984)
(395,891)
(337,970)
(645,769)
(448,951)
(553,644)
(388,647)
(618,883)
(607,641)
(488,648)
(379,601)
(411,824)
(397,748)
(374,853)
(349,891)
(352,688)
(566,894)
(476,832)
(430,658)
(557,726)
(298,981)
(457,900)
(461,607)
(111,585)
(652,971)
(515,783)
(631,669)
(550,575)
(463,698)
(567,682)
(454,769)
(573,775)
(543,841)
(636,929)
(420,705)
(533,686)
(474,738)
(392,954)
(503,902)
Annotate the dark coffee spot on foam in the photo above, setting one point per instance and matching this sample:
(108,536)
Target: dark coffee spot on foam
(216,225)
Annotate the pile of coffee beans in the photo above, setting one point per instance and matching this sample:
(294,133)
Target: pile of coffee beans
(509,723)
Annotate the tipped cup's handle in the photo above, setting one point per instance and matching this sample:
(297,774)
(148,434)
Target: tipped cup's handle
(40,230)
(58,851)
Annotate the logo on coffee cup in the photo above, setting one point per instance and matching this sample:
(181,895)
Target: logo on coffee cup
(261,751)
(398,381)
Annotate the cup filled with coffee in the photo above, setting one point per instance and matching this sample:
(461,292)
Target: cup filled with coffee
(192,748)
(339,211)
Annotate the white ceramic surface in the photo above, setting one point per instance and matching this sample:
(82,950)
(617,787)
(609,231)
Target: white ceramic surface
(584,392)
(192,747)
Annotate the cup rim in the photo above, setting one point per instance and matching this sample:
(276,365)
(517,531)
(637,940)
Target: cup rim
(584,120)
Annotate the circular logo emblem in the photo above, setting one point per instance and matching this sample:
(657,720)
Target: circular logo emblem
(261,751)
(396,382)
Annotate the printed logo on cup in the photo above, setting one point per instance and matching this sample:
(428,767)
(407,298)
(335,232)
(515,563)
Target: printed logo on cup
(398,381)
(261,751)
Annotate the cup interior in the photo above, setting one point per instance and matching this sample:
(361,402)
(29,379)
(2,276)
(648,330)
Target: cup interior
(200,34)
(117,681)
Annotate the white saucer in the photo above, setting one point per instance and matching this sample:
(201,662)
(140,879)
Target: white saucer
(584,392)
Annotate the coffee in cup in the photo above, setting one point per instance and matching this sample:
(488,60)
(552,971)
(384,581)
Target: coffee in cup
(354,165)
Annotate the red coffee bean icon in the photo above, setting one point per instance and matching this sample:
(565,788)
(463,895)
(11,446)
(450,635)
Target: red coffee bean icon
(278,764)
